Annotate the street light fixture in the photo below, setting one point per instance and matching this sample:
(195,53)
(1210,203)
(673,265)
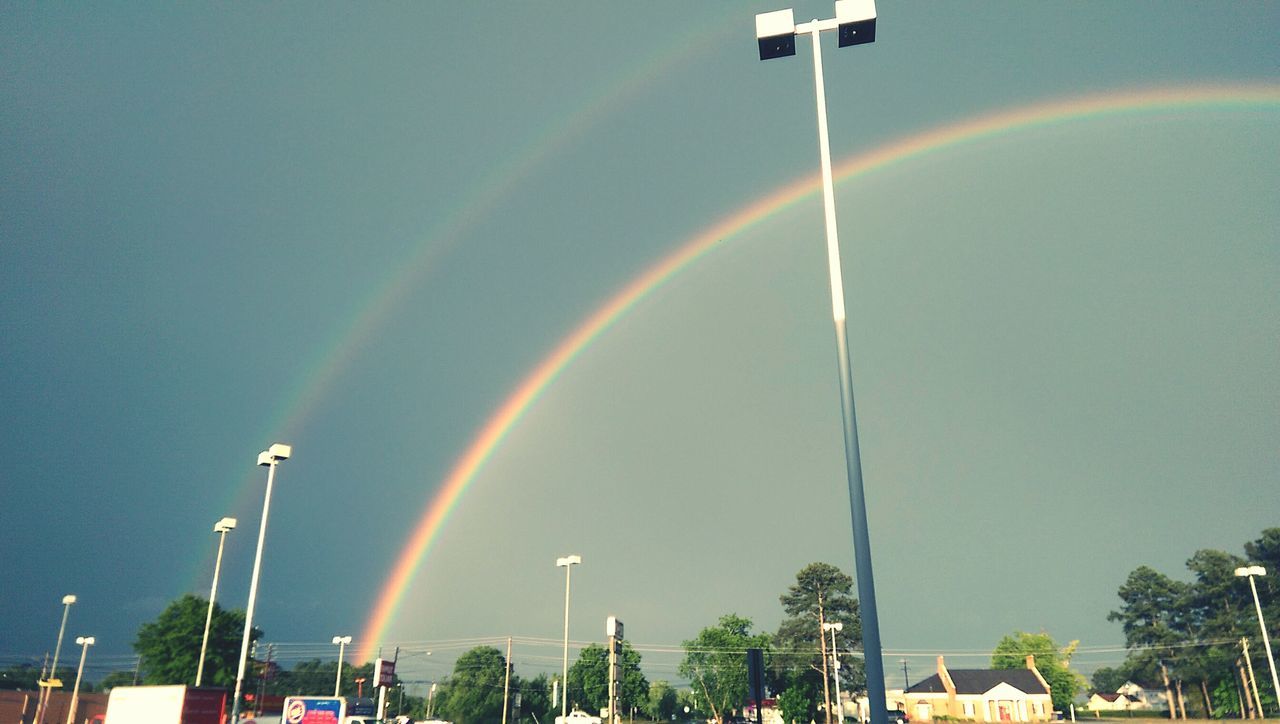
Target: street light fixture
(47,690)
(222,527)
(269,459)
(833,627)
(341,642)
(85,642)
(1249,572)
(855,23)
(567,562)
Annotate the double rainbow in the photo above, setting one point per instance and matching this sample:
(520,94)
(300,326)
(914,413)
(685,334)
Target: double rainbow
(1240,97)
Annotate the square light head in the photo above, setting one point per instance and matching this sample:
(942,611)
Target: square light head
(224,525)
(776,34)
(856,20)
(69,599)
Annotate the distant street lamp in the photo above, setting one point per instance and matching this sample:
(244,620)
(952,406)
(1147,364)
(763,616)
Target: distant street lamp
(222,527)
(47,690)
(359,687)
(567,562)
(835,664)
(855,24)
(1249,572)
(341,642)
(85,642)
(269,459)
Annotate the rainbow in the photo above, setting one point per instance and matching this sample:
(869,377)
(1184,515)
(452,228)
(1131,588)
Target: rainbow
(1159,100)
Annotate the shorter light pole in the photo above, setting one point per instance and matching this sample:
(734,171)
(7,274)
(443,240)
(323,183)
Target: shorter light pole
(431,693)
(85,642)
(47,693)
(1249,572)
(222,527)
(341,642)
(835,664)
(567,563)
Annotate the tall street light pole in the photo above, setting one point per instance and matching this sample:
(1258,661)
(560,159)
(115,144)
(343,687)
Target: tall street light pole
(855,23)
(47,693)
(341,642)
(835,665)
(222,527)
(1249,572)
(568,562)
(85,642)
(269,459)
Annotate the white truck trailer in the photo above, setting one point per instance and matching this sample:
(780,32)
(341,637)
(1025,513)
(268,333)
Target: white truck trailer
(166,705)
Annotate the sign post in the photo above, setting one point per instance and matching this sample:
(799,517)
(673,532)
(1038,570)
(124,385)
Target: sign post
(613,627)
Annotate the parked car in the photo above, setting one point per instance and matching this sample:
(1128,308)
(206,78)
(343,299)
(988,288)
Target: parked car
(577,716)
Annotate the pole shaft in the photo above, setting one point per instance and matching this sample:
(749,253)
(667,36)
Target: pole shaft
(564,674)
(208,619)
(75,692)
(47,695)
(1266,640)
(853,458)
(337,679)
(253,593)
(835,668)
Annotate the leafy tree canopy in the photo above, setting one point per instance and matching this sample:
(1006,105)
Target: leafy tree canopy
(1054,663)
(589,679)
(170,645)
(716,662)
(474,692)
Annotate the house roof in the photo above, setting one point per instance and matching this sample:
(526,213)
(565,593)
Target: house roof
(980,681)
(1110,697)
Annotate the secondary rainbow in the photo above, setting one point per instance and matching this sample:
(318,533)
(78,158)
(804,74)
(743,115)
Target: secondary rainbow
(1241,97)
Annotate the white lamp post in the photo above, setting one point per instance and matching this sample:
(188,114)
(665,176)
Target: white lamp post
(1249,572)
(47,689)
(835,664)
(269,459)
(222,527)
(85,642)
(341,642)
(855,23)
(567,562)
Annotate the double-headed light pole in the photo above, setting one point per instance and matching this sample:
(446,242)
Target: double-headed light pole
(85,642)
(567,563)
(1249,572)
(269,459)
(855,24)
(341,642)
(222,527)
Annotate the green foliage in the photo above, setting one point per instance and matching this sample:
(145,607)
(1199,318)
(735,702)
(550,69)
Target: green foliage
(1053,662)
(116,678)
(473,693)
(821,594)
(1191,628)
(662,701)
(589,679)
(535,697)
(716,662)
(170,645)
(797,705)
(23,677)
(1107,680)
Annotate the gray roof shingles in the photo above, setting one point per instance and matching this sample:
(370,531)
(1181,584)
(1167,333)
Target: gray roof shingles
(980,681)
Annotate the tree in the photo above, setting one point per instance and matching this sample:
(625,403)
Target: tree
(1107,680)
(797,704)
(822,594)
(662,701)
(1054,663)
(170,645)
(716,662)
(116,678)
(474,691)
(535,697)
(589,679)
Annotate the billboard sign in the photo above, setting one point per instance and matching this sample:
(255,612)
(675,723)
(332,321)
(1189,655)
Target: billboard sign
(314,710)
(384,672)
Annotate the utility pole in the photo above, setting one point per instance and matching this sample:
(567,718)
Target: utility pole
(506,682)
(906,682)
